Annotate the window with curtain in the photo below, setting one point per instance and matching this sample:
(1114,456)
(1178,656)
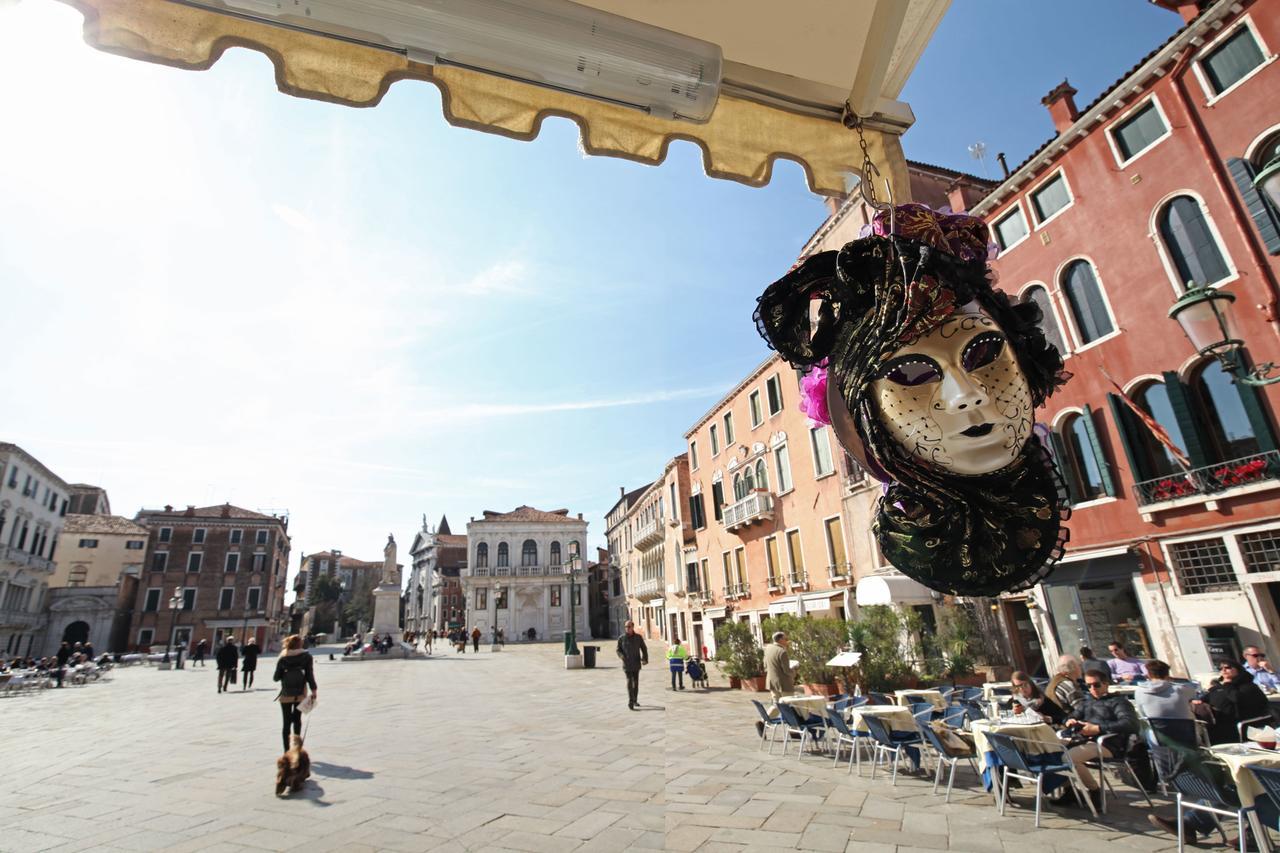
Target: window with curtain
(529,553)
(1230,61)
(1049,323)
(748,481)
(1153,458)
(1139,131)
(1084,295)
(822,462)
(555,553)
(835,541)
(1222,412)
(504,555)
(794,554)
(1081,464)
(739,492)
(482,555)
(1191,246)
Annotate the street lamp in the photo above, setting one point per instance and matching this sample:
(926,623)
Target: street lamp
(571,644)
(1204,314)
(175,605)
(1268,181)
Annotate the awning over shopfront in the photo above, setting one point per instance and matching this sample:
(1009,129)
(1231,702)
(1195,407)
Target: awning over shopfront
(891,589)
(786,77)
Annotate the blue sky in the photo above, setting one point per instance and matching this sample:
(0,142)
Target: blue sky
(216,292)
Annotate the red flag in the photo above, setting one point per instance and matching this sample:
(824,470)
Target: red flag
(1156,430)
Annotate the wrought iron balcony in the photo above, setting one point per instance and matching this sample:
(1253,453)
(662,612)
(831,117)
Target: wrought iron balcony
(650,533)
(757,506)
(840,573)
(775,582)
(799,578)
(737,590)
(647,590)
(1211,479)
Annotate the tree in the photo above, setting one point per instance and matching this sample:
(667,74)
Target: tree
(325,589)
(359,607)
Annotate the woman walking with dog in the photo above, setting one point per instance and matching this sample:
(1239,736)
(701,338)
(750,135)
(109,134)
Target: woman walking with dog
(295,670)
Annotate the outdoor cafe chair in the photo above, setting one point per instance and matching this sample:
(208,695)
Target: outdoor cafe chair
(879,698)
(968,693)
(812,727)
(1104,784)
(842,705)
(973,709)
(891,743)
(946,757)
(923,712)
(1269,779)
(771,725)
(841,734)
(1243,725)
(955,716)
(858,701)
(1197,791)
(945,693)
(1018,765)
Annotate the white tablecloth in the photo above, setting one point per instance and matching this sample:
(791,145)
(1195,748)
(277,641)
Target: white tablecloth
(906,697)
(896,717)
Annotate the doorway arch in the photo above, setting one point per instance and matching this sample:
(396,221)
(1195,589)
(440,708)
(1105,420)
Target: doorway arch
(76,632)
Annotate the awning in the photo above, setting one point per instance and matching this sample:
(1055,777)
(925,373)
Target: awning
(785,78)
(891,589)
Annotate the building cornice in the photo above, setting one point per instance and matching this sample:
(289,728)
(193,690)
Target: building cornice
(755,374)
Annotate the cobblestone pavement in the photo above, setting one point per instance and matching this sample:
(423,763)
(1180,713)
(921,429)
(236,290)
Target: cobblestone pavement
(470,752)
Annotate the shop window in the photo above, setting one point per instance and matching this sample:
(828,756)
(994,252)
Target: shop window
(1229,62)
(1203,566)
(1221,409)
(1195,253)
(1261,551)
(1088,309)
(1049,321)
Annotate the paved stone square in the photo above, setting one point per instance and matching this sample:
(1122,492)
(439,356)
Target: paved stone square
(488,751)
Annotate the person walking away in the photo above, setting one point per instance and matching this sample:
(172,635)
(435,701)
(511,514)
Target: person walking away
(227,658)
(1123,667)
(1255,663)
(675,662)
(1234,699)
(475,639)
(249,656)
(634,654)
(778,679)
(295,670)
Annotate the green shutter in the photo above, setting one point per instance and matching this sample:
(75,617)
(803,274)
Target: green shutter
(1263,216)
(1104,467)
(1255,407)
(1065,467)
(1185,413)
(1128,439)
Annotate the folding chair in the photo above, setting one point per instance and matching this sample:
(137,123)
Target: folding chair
(969,693)
(1244,724)
(792,724)
(891,743)
(771,725)
(923,712)
(879,698)
(1104,784)
(955,716)
(1018,766)
(858,701)
(843,735)
(1197,791)
(945,756)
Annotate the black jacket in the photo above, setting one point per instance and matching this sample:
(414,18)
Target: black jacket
(1232,702)
(632,652)
(286,662)
(249,653)
(227,656)
(1113,715)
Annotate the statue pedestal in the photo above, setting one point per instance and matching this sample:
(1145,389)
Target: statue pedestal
(386,610)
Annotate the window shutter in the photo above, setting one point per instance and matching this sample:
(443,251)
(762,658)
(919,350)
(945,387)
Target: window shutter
(1264,217)
(1065,467)
(1125,426)
(1255,407)
(1104,467)
(1185,413)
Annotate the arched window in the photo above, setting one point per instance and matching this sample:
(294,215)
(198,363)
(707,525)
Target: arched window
(762,475)
(482,554)
(738,491)
(748,481)
(529,553)
(1081,464)
(1228,430)
(504,556)
(1088,309)
(1049,323)
(1153,458)
(573,548)
(1190,243)
(555,553)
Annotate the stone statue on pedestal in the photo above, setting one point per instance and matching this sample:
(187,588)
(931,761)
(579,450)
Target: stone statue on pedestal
(386,598)
(390,574)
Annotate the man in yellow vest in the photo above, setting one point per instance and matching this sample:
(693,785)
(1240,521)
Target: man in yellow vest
(675,660)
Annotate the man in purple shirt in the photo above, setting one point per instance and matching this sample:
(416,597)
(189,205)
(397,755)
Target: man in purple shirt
(1123,667)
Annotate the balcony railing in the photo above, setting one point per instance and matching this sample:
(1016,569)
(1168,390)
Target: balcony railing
(1211,479)
(555,570)
(530,571)
(479,572)
(649,589)
(799,578)
(776,582)
(737,590)
(649,533)
(22,558)
(757,506)
(840,573)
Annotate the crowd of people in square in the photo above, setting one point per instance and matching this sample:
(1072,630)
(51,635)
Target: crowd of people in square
(74,661)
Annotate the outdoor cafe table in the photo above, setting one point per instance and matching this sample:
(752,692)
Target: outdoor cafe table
(906,697)
(1032,739)
(1238,758)
(989,688)
(806,705)
(896,717)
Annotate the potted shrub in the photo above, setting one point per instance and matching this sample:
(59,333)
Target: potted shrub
(959,639)
(814,641)
(739,656)
(879,633)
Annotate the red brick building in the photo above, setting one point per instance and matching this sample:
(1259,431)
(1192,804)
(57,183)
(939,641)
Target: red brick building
(229,566)
(1144,189)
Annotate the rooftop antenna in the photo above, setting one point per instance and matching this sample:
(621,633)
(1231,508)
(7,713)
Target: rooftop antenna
(978,151)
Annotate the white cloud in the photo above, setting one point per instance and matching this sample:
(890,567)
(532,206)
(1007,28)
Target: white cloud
(511,276)
(294,218)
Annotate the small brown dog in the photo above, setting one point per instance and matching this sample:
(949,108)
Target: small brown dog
(292,768)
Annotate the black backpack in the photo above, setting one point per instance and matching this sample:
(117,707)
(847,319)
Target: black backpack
(294,681)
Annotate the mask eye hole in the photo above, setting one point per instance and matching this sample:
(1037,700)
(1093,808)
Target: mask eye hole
(913,370)
(981,351)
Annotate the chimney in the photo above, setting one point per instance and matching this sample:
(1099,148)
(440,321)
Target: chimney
(1062,107)
(1004,164)
(226,510)
(168,507)
(579,516)
(961,195)
(1189,10)
(622,491)
(191,510)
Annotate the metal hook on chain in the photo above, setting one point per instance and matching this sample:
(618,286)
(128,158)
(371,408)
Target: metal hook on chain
(866,184)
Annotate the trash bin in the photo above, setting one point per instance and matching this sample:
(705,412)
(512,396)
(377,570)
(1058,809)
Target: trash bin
(589,656)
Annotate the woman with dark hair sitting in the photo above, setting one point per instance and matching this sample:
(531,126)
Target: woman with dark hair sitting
(1234,699)
(1027,696)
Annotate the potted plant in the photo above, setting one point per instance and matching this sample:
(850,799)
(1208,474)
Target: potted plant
(880,633)
(814,641)
(959,639)
(739,656)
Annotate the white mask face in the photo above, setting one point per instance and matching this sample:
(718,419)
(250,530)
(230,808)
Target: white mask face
(956,397)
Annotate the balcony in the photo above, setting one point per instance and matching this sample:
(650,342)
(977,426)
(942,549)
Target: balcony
(478,572)
(647,590)
(757,506)
(22,558)
(649,533)
(776,583)
(799,579)
(530,571)
(1198,484)
(840,573)
(737,590)
(555,570)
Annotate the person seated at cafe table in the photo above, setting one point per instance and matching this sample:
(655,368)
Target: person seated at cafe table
(1064,687)
(1102,713)
(1027,696)
(1123,667)
(1160,698)
(1233,698)
(1255,663)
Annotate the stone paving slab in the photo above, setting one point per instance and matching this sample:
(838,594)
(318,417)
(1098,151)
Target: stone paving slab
(488,751)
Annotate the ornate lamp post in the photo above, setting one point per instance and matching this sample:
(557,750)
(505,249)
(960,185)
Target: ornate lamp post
(1268,181)
(571,645)
(175,603)
(497,594)
(1204,314)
